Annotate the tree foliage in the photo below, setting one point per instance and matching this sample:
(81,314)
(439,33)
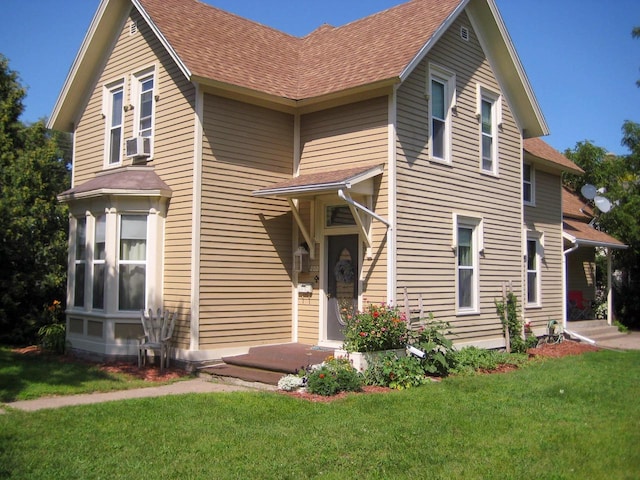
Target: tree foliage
(33,225)
(619,176)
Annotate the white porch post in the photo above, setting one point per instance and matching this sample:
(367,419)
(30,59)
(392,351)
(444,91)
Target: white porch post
(609,289)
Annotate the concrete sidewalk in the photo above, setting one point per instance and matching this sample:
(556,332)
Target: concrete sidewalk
(197,385)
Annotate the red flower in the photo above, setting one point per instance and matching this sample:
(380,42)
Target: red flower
(321,375)
(363,334)
(376,314)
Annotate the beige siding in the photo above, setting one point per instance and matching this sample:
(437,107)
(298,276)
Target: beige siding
(581,272)
(429,193)
(545,218)
(338,138)
(246,242)
(173,150)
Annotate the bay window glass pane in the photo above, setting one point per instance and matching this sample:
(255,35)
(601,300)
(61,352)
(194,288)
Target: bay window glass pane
(78,291)
(81,239)
(99,271)
(133,238)
(99,249)
(132,283)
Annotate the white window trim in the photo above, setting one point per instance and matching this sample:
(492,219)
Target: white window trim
(476,223)
(448,78)
(488,95)
(135,101)
(538,237)
(107,99)
(532,182)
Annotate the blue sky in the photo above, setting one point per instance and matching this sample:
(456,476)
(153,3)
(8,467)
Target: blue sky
(578,54)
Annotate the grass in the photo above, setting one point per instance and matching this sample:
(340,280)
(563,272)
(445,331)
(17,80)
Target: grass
(570,418)
(25,377)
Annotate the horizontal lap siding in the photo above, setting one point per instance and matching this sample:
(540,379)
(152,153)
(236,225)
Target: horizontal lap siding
(173,151)
(339,138)
(545,218)
(428,193)
(245,257)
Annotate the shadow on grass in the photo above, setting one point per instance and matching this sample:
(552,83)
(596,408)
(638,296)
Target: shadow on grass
(24,376)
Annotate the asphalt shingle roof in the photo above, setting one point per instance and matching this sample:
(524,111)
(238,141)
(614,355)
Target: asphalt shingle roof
(223,47)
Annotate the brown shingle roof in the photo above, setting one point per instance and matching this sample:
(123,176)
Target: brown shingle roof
(224,47)
(541,149)
(573,206)
(584,232)
(123,181)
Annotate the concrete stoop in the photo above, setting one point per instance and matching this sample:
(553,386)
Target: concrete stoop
(596,330)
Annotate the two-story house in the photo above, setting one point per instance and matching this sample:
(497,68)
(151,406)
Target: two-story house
(258,182)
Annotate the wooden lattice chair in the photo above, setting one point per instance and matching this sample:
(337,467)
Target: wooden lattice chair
(158,329)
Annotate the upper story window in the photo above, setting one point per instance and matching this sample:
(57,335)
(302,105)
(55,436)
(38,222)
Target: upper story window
(143,87)
(489,114)
(442,87)
(528,184)
(114,117)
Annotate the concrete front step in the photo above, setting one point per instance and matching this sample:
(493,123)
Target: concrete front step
(246,374)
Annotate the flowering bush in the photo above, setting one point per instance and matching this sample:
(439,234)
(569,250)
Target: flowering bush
(334,376)
(378,327)
(289,383)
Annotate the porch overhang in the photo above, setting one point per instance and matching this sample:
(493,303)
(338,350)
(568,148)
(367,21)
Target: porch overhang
(344,182)
(584,235)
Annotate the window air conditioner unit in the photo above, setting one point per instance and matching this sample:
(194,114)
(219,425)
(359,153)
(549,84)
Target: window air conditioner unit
(139,147)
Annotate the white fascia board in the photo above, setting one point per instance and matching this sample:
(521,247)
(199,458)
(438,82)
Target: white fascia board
(433,40)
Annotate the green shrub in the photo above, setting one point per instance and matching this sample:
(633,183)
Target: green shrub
(469,360)
(508,314)
(396,372)
(53,337)
(430,337)
(334,376)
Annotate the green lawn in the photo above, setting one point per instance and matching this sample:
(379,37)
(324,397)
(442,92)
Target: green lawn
(576,417)
(24,377)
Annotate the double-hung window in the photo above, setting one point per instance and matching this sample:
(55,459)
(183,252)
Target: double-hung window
(442,86)
(114,113)
(468,243)
(533,256)
(489,114)
(528,184)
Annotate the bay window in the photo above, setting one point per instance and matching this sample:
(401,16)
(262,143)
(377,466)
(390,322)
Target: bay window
(80,262)
(132,262)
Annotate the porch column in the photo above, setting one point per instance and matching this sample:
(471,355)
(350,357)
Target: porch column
(609,289)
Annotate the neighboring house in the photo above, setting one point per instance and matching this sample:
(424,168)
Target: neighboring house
(582,242)
(257,182)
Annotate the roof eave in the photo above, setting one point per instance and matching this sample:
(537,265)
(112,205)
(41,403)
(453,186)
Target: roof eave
(550,165)
(103,192)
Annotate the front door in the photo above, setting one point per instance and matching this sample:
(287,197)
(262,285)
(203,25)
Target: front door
(342,283)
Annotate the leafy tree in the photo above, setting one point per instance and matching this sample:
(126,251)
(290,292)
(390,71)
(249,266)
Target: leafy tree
(618,175)
(33,225)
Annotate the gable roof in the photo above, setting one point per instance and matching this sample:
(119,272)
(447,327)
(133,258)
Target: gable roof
(218,48)
(549,156)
